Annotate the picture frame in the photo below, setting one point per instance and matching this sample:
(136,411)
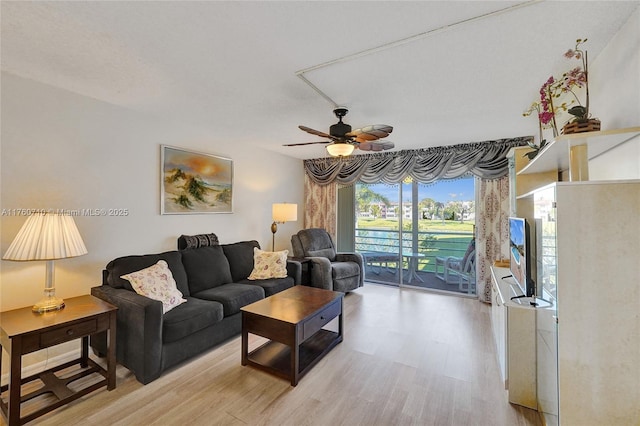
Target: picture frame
(194,182)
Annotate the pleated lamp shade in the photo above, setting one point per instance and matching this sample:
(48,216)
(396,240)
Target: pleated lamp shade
(46,237)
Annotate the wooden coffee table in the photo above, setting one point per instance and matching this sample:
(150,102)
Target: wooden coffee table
(292,320)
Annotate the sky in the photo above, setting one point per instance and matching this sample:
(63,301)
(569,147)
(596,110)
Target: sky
(442,191)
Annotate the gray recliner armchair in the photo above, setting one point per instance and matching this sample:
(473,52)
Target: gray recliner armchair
(328,269)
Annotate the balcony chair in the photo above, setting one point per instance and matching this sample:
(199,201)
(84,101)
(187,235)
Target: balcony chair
(329,269)
(459,270)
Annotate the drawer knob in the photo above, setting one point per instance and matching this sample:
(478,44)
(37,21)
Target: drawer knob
(69,332)
(322,318)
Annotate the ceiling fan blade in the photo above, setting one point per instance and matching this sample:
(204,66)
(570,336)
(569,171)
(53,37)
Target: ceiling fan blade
(315,132)
(371,133)
(375,145)
(305,143)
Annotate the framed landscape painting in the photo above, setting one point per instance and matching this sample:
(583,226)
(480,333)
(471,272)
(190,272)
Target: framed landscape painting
(195,182)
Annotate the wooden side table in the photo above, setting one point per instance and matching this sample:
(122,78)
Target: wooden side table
(23,331)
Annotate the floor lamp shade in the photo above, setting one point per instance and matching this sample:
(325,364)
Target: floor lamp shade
(285,212)
(281,213)
(47,237)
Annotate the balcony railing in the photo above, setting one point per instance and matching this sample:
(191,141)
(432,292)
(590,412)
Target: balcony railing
(430,244)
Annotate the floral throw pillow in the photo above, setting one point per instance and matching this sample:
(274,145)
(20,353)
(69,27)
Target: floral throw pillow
(156,282)
(269,264)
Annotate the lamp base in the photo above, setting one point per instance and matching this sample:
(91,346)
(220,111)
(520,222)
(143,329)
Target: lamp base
(48,304)
(274,229)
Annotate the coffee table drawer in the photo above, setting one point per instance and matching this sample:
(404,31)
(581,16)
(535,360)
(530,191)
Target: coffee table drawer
(315,323)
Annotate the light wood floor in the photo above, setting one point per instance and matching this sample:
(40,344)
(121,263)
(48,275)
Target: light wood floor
(408,358)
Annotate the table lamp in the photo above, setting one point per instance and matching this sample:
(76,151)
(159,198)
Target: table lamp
(47,237)
(282,212)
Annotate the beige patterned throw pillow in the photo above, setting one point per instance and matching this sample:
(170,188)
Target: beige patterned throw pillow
(269,264)
(156,282)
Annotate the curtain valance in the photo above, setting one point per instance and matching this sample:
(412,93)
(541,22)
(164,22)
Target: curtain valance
(486,160)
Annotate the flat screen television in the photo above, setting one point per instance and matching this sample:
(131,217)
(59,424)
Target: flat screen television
(520,255)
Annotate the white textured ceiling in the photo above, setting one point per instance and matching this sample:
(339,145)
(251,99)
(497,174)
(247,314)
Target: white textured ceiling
(464,73)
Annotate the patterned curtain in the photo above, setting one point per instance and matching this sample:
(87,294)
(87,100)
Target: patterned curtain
(320,205)
(492,230)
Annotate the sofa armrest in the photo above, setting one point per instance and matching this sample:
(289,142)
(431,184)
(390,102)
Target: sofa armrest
(139,331)
(350,257)
(294,270)
(353,257)
(321,273)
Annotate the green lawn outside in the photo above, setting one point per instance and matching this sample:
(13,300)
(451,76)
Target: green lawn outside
(424,225)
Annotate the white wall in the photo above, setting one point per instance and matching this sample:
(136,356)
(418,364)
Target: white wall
(65,151)
(614,89)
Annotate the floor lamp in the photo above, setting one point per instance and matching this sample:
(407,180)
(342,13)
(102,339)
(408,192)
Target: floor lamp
(47,237)
(282,212)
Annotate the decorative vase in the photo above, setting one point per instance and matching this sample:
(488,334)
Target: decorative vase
(580,126)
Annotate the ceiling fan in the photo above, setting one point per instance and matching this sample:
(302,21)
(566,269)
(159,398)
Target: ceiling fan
(342,140)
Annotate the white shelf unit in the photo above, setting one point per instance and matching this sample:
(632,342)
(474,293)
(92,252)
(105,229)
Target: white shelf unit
(588,341)
(590,265)
(520,184)
(555,155)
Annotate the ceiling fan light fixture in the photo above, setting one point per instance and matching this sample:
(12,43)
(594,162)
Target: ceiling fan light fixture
(340,149)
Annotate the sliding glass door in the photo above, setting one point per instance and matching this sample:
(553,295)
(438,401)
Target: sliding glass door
(377,234)
(418,235)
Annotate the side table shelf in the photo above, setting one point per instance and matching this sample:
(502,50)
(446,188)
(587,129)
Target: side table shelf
(23,332)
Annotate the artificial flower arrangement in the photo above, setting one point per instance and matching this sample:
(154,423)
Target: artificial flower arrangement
(553,99)
(577,78)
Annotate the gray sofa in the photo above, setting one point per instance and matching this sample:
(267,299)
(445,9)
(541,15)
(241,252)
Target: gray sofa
(213,280)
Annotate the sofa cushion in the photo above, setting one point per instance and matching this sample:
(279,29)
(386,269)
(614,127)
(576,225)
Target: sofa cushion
(344,270)
(190,317)
(233,296)
(206,267)
(272,286)
(196,241)
(156,282)
(240,257)
(128,264)
(268,264)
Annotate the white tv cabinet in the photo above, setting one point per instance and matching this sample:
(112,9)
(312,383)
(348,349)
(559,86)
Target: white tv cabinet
(513,327)
(499,294)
